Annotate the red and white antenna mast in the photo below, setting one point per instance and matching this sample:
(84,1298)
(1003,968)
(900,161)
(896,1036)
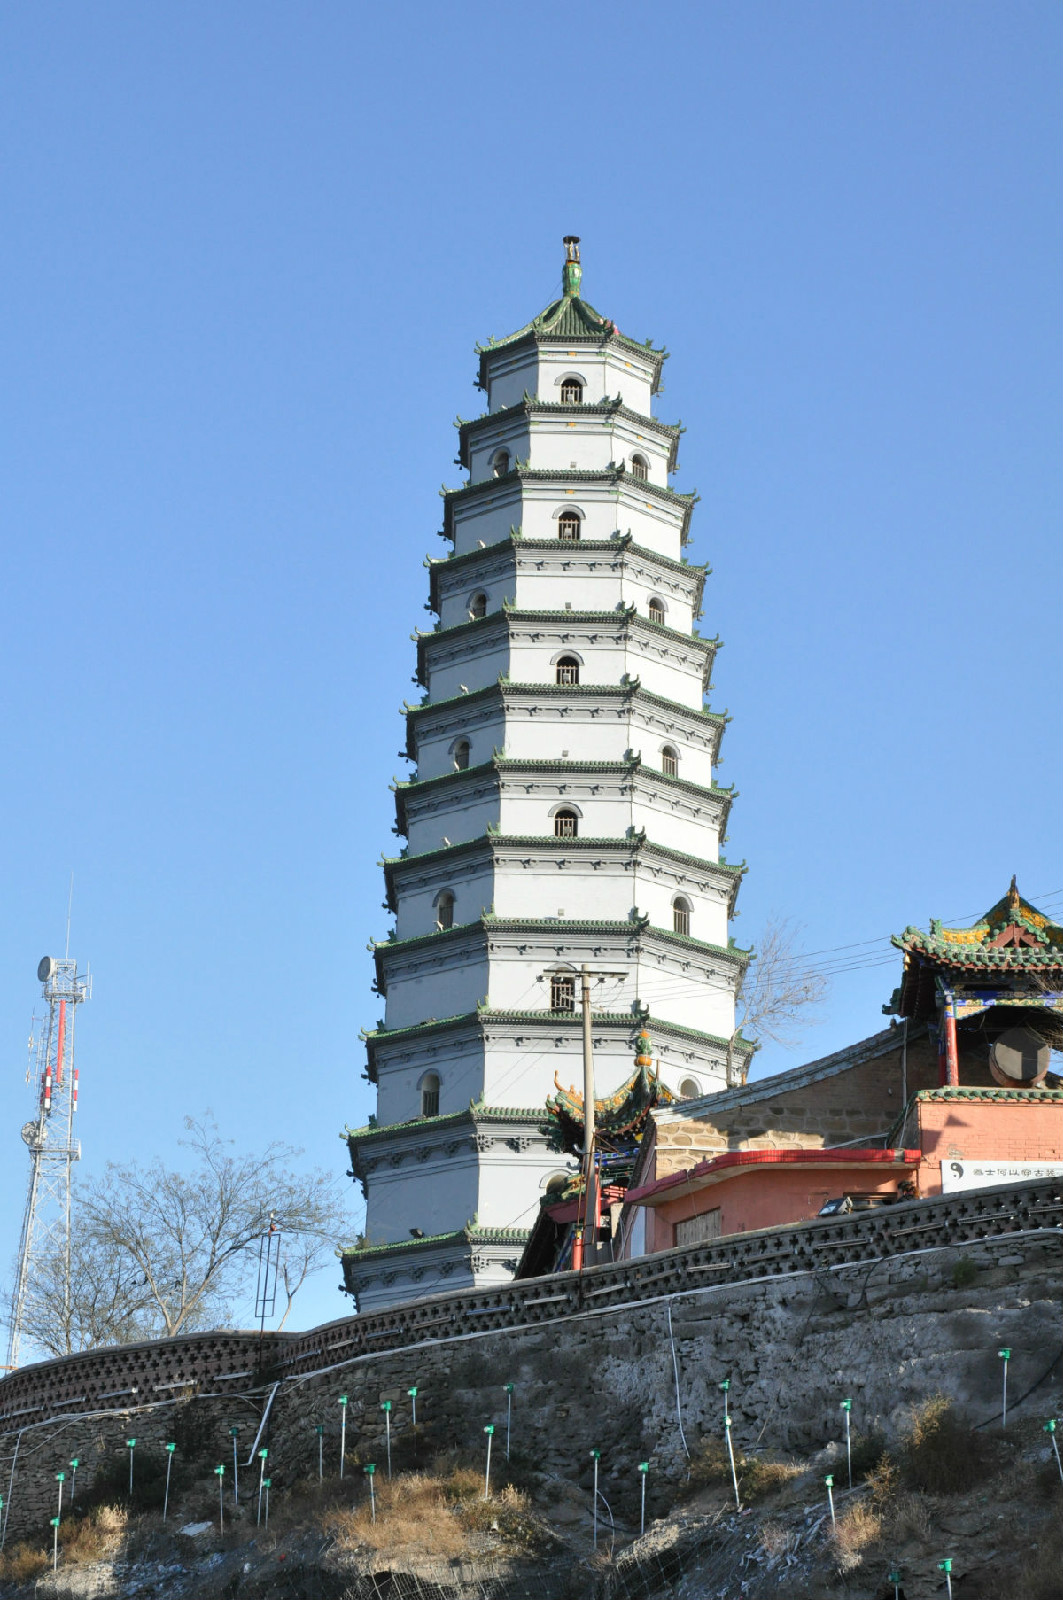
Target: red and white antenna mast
(42,1295)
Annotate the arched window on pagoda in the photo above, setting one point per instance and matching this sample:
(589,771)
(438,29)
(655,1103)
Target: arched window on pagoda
(568,526)
(680,915)
(656,610)
(566,670)
(430,1094)
(562,991)
(461,753)
(670,761)
(571,392)
(478,605)
(500,463)
(566,824)
(445,910)
(690,1089)
(640,467)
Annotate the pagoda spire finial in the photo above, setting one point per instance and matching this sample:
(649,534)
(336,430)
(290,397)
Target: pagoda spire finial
(572,271)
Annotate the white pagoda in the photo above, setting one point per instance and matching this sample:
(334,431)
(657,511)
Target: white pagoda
(563,810)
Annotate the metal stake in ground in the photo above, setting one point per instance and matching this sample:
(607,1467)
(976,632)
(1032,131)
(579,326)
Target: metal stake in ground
(343,1430)
(385,1406)
(596,1456)
(220,1471)
(847,1406)
(731,1454)
(895,1579)
(233,1433)
(369,1469)
(1050,1429)
(1005,1356)
(413,1402)
(946,1567)
(490,1432)
(265,1484)
(724,1389)
(829,1481)
(60,1479)
(644,1468)
(55,1543)
(508,1387)
(131,1445)
(170,1448)
(73,1477)
(320,1431)
(262,1454)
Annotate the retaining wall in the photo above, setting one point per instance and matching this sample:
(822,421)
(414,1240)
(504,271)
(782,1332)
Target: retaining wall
(625,1358)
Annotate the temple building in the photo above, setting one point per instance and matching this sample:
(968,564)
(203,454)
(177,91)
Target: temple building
(563,811)
(956,1094)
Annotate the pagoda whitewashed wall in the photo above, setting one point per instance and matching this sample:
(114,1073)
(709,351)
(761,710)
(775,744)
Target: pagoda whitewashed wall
(499,748)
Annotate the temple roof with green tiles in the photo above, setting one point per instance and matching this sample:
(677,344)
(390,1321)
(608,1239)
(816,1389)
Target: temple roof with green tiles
(570,320)
(619,1118)
(1013,953)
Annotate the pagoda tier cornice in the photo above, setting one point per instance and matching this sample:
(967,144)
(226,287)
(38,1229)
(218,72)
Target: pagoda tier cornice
(510,620)
(481,1023)
(614,477)
(500,767)
(582,551)
(552,933)
(532,406)
(573,323)
(469,1235)
(497,846)
(505,694)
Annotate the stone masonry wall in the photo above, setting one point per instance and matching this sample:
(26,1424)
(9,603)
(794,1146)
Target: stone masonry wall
(633,1381)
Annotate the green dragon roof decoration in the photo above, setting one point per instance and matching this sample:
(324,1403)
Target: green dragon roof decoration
(619,1119)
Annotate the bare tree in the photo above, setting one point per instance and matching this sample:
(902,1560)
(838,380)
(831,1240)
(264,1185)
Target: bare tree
(779,986)
(160,1251)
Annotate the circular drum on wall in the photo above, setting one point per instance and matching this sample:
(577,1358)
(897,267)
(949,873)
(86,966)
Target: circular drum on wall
(1019,1059)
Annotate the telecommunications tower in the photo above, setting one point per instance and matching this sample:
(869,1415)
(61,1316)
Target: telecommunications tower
(44,1248)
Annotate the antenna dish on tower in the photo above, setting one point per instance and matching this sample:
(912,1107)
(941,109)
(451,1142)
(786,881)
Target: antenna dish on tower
(45,969)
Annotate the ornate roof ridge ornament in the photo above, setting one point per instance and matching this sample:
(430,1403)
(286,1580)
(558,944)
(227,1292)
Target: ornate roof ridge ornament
(572,272)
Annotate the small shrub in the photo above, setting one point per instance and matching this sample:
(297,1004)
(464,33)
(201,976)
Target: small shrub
(856,1528)
(883,1481)
(908,1517)
(942,1454)
(710,1465)
(22,1563)
(93,1537)
(868,1450)
(964,1272)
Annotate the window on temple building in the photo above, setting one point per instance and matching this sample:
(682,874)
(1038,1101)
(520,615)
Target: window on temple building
(478,605)
(670,761)
(562,992)
(462,751)
(690,1089)
(680,915)
(640,467)
(656,610)
(566,824)
(430,1094)
(500,463)
(697,1230)
(445,910)
(571,392)
(568,526)
(567,670)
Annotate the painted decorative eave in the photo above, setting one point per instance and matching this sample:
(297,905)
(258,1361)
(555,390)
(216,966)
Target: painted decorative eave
(488,845)
(532,406)
(470,1235)
(474,1115)
(550,930)
(592,549)
(504,768)
(615,477)
(505,688)
(627,621)
(718,1168)
(549,1021)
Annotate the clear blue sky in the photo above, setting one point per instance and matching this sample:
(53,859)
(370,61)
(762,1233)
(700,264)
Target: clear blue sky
(247,251)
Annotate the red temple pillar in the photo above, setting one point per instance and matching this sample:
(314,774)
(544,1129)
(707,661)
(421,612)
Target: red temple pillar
(952,1054)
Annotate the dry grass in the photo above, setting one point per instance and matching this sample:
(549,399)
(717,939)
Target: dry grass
(908,1517)
(856,1528)
(94,1537)
(425,1514)
(942,1454)
(24,1562)
(710,1466)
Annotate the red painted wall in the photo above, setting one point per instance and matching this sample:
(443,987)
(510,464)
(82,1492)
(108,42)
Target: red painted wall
(985,1131)
(769,1197)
